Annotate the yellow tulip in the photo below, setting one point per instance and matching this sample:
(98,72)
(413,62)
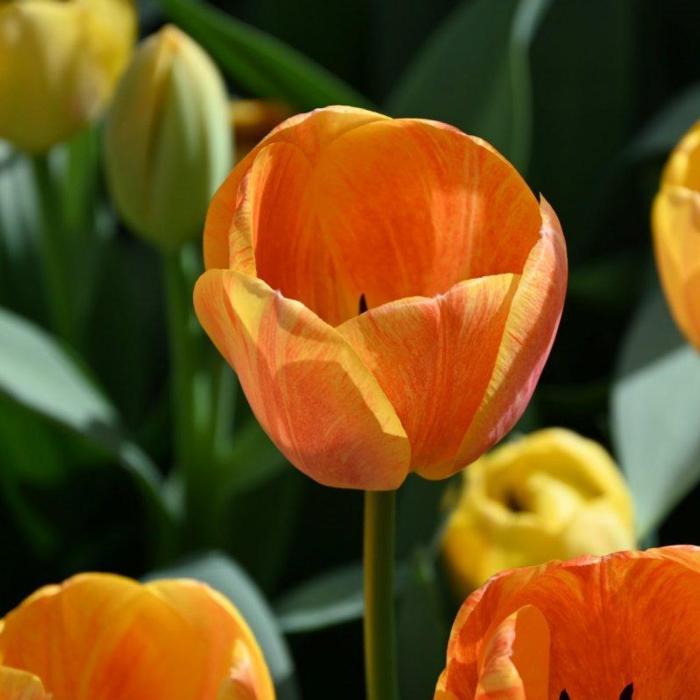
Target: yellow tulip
(104,637)
(168,138)
(550,495)
(59,63)
(676,225)
(252,120)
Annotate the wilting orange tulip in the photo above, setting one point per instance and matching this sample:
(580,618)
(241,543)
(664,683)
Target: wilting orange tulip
(104,637)
(386,289)
(595,628)
(676,224)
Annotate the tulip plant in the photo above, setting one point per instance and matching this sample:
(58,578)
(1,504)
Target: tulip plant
(385,284)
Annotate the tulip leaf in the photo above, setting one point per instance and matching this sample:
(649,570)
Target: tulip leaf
(422,629)
(655,409)
(227,577)
(258,62)
(474,73)
(38,374)
(332,598)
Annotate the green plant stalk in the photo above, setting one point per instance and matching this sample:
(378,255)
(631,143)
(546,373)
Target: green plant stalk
(51,250)
(379,620)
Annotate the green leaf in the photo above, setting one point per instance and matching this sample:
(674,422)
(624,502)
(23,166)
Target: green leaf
(258,62)
(38,374)
(332,598)
(224,575)
(655,414)
(422,630)
(474,73)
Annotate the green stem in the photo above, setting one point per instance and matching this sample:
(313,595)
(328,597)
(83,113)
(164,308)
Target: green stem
(380,635)
(51,250)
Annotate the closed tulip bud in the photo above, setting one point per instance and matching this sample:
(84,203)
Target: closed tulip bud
(676,225)
(167,139)
(59,63)
(550,495)
(105,637)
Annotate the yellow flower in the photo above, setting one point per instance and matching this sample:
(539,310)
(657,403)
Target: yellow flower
(104,637)
(252,120)
(59,63)
(676,225)
(168,138)
(550,495)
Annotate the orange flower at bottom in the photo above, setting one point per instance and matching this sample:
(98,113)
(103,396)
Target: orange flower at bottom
(595,628)
(104,637)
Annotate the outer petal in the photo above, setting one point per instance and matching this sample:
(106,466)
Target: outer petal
(626,618)
(320,405)
(19,685)
(676,225)
(532,324)
(434,358)
(309,132)
(102,636)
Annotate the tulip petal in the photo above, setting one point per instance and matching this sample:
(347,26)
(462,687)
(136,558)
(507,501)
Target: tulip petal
(19,685)
(325,220)
(103,636)
(434,358)
(676,224)
(308,388)
(308,132)
(532,324)
(627,618)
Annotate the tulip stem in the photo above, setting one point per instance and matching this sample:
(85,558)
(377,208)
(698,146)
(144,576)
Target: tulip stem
(379,627)
(51,249)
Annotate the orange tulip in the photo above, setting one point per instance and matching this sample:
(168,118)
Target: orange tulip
(595,628)
(676,224)
(105,637)
(386,289)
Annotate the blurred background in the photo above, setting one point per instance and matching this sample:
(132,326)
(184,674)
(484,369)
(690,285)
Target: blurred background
(585,97)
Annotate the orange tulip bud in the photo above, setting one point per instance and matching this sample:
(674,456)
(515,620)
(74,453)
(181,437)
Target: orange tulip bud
(676,225)
(386,289)
(108,637)
(620,626)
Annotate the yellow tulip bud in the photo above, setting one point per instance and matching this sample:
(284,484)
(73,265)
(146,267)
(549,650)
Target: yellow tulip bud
(252,120)
(550,495)
(59,63)
(167,139)
(676,225)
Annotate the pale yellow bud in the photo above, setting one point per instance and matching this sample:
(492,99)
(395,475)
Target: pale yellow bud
(59,63)
(167,139)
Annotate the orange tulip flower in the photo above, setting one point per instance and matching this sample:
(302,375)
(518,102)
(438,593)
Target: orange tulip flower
(594,628)
(386,289)
(105,637)
(676,225)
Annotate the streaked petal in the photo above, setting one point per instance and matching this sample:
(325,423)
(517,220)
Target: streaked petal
(434,358)
(676,225)
(19,685)
(308,388)
(308,132)
(621,619)
(104,636)
(529,334)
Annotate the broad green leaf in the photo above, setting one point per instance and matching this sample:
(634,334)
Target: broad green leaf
(227,577)
(474,73)
(257,61)
(332,598)
(38,374)
(422,629)
(656,414)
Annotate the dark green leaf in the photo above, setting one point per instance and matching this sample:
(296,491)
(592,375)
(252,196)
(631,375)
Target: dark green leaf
(223,574)
(474,73)
(655,409)
(257,61)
